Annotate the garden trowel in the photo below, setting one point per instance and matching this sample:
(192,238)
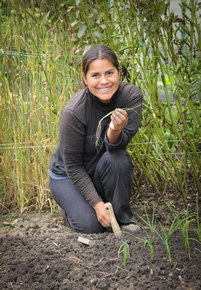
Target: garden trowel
(115,226)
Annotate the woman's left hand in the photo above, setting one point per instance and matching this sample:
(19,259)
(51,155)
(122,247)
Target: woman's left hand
(101,214)
(119,120)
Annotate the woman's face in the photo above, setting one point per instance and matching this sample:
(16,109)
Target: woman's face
(102,79)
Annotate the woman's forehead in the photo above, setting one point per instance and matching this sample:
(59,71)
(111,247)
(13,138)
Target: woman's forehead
(101,65)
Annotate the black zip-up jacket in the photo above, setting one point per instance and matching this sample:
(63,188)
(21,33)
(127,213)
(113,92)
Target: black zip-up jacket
(76,154)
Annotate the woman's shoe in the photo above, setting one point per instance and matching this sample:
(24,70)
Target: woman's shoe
(61,212)
(64,216)
(131,228)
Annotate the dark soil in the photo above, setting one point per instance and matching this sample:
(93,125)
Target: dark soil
(37,251)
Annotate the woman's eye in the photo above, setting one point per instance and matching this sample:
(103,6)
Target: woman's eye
(110,73)
(94,75)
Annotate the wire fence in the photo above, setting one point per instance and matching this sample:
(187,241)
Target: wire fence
(34,54)
(10,146)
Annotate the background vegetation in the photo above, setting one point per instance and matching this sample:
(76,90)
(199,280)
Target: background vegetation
(42,43)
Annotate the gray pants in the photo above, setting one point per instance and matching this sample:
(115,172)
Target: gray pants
(113,179)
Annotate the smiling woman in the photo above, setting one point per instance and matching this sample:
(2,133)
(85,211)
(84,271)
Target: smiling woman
(82,176)
(102,79)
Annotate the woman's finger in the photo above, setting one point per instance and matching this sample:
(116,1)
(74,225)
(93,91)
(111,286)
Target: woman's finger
(119,119)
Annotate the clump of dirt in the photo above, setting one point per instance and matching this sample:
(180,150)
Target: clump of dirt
(38,251)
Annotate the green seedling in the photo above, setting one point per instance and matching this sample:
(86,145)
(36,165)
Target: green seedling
(151,222)
(198,219)
(184,224)
(10,217)
(164,235)
(123,249)
(148,240)
(145,241)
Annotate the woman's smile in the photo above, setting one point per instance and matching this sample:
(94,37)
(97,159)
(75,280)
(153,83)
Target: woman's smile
(104,89)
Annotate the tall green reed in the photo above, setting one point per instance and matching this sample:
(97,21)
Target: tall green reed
(40,57)
(35,86)
(161,62)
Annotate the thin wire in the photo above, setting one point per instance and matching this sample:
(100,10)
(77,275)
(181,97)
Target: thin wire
(26,53)
(27,147)
(165,154)
(34,54)
(16,143)
(156,142)
(142,154)
(140,143)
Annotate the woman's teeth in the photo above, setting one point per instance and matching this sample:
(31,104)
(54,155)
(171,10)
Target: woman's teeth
(104,89)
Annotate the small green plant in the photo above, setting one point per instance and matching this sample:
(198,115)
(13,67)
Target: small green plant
(153,225)
(198,230)
(145,241)
(151,222)
(165,234)
(10,228)
(10,217)
(198,219)
(10,222)
(183,226)
(123,249)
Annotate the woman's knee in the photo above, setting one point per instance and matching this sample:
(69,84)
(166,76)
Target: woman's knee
(117,159)
(90,226)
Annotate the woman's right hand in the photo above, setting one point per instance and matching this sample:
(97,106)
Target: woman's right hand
(102,215)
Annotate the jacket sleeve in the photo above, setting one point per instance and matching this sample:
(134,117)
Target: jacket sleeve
(71,144)
(134,100)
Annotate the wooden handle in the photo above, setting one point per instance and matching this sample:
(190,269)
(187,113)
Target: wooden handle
(115,226)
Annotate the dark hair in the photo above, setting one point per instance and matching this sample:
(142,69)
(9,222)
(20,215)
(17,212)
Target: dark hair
(99,52)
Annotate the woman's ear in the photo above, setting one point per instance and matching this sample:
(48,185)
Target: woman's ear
(84,79)
(119,71)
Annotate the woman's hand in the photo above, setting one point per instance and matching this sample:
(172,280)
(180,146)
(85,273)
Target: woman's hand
(102,214)
(119,120)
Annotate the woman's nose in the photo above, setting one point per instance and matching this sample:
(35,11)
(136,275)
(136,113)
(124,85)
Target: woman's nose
(103,79)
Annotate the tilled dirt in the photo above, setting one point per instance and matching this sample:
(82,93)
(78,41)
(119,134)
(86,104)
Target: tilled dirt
(37,251)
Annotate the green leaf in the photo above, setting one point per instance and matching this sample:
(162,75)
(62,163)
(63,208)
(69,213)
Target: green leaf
(81,31)
(161,10)
(154,26)
(97,34)
(95,11)
(70,8)
(78,2)
(124,48)
(125,7)
(103,26)
(90,15)
(86,48)
(132,24)
(74,23)
(199,67)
